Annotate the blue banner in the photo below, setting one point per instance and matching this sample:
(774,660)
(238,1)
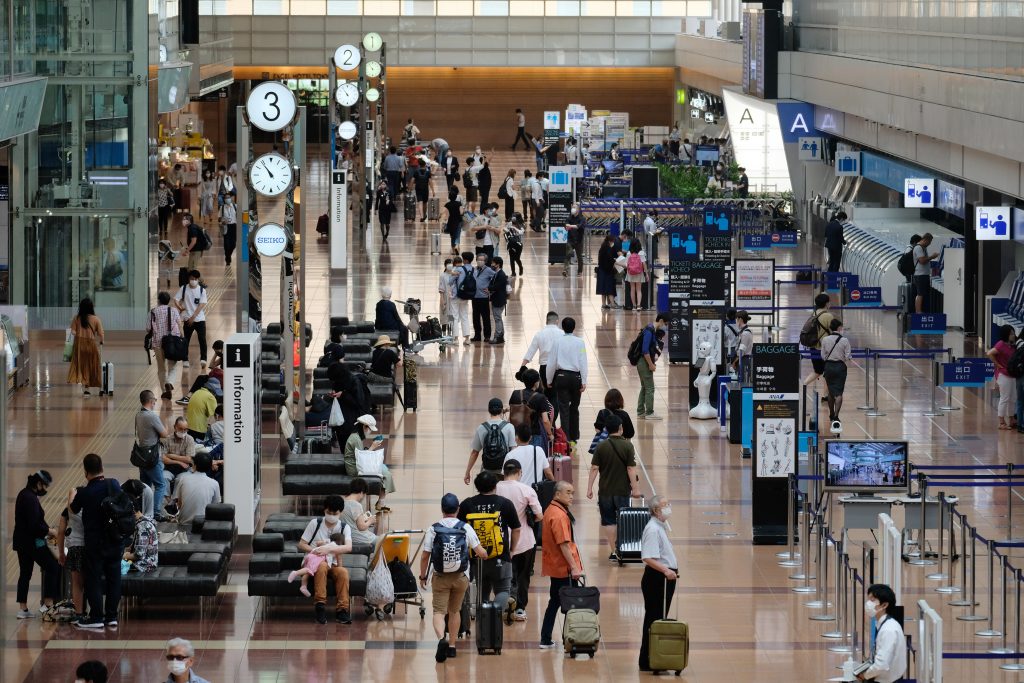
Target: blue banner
(865,297)
(836,281)
(968,372)
(766,240)
(927,323)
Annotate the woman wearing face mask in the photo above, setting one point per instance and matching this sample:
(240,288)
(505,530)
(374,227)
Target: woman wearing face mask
(207,196)
(889,656)
(31,533)
(180,656)
(659,580)
(444,290)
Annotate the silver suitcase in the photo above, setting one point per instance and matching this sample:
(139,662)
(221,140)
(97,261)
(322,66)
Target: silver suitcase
(435,243)
(107,370)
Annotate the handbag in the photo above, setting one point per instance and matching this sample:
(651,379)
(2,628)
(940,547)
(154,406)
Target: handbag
(580,597)
(380,587)
(69,345)
(174,347)
(145,457)
(178,537)
(545,488)
(369,463)
(337,418)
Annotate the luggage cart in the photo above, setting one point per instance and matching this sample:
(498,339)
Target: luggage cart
(165,261)
(397,545)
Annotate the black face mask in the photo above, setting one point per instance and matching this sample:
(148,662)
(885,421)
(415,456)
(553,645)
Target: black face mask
(40,492)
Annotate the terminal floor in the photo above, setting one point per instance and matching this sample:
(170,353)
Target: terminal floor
(746,623)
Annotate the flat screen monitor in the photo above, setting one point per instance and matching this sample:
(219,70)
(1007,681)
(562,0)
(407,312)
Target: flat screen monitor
(613,167)
(866,467)
(707,154)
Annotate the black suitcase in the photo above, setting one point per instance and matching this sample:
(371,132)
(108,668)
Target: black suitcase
(490,631)
(410,206)
(182,276)
(629,530)
(430,329)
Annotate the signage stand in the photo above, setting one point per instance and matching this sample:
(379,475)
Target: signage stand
(243,447)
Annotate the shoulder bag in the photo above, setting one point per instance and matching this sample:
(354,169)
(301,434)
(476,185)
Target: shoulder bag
(173,346)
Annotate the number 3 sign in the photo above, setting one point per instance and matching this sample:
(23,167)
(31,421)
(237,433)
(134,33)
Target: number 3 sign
(271,106)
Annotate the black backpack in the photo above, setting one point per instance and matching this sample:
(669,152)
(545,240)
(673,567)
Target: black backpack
(467,180)
(495,448)
(809,332)
(906,263)
(118,513)
(467,288)
(1015,368)
(503,190)
(636,349)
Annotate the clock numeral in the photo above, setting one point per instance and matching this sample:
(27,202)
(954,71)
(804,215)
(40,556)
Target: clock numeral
(277,109)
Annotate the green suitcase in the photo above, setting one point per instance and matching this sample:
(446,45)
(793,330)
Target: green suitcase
(669,643)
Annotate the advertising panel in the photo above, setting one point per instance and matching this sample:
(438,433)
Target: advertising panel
(757,140)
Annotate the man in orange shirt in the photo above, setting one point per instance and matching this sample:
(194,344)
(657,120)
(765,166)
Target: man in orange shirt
(561,557)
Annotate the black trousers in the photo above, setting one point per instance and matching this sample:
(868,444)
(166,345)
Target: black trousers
(549,391)
(199,328)
(486,249)
(230,240)
(653,585)
(522,565)
(835,256)
(27,559)
(485,195)
(570,248)
(547,627)
(102,573)
(567,389)
(481,318)
(510,208)
(515,256)
(521,135)
(164,213)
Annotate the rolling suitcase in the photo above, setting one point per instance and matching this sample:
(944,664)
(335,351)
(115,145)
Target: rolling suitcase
(561,467)
(107,369)
(489,628)
(409,207)
(669,643)
(581,632)
(433,209)
(435,243)
(629,530)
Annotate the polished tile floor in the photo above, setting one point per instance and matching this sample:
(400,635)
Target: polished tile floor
(746,623)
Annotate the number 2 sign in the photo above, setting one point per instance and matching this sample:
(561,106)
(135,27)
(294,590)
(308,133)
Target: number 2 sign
(271,106)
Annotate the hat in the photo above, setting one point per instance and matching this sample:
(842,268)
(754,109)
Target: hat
(368,421)
(449,504)
(743,315)
(495,406)
(213,385)
(383,340)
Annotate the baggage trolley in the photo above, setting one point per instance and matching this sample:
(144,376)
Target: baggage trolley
(397,545)
(165,259)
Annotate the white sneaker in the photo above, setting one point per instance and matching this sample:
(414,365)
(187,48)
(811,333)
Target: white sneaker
(653,416)
(184,364)
(837,427)
(26,614)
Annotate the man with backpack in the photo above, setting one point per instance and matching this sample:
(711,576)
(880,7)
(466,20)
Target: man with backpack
(108,517)
(923,272)
(446,548)
(496,523)
(197,240)
(492,439)
(649,350)
(813,331)
(482,298)
(191,300)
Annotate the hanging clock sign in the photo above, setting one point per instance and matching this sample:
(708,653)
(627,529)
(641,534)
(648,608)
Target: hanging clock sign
(347,130)
(271,175)
(347,57)
(271,106)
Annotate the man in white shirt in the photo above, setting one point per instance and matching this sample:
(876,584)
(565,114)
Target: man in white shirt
(191,300)
(922,271)
(567,374)
(889,656)
(317,539)
(523,497)
(533,462)
(544,341)
(195,490)
(537,199)
(520,130)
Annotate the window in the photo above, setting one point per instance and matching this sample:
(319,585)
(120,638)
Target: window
(492,8)
(344,8)
(668,8)
(381,8)
(633,8)
(308,7)
(597,8)
(455,8)
(562,8)
(417,8)
(526,8)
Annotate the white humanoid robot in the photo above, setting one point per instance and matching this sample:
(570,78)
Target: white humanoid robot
(704,410)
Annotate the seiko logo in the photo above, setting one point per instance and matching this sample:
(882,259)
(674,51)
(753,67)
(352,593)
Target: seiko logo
(270,240)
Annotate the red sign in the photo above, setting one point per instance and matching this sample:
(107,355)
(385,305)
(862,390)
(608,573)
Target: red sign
(855,295)
(775,237)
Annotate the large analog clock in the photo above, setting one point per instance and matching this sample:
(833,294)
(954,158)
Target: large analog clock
(372,94)
(373,69)
(271,175)
(347,94)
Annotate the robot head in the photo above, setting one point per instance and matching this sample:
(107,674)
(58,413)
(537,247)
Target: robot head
(704,349)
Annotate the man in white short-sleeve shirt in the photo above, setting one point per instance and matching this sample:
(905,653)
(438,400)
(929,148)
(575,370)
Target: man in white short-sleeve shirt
(191,300)
(532,459)
(317,539)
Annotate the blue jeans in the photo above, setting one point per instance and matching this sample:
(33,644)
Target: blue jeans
(154,478)
(554,604)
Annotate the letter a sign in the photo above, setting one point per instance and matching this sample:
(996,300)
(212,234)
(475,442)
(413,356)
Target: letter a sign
(796,120)
(799,126)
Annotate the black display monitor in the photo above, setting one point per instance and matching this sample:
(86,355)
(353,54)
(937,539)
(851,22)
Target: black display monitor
(866,467)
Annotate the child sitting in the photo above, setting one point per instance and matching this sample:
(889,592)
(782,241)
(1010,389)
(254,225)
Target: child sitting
(310,563)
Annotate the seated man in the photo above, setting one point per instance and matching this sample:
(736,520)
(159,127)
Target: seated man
(178,450)
(387,317)
(201,408)
(317,539)
(195,490)
(143,551)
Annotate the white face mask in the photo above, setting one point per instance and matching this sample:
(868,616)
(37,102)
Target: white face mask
(177,667)
(575,211)
(870,607)
(193,283)
(181,435)
(666,511)
(331,520)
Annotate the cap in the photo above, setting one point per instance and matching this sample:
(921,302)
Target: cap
(449,503)
(495,406)
(369,421)
(743,315)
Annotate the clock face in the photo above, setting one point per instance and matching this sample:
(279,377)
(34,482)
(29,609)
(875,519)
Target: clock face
(346,57)
(271,175)
(271,106)
(347,94)
(347,130)
(372,94)
(373,69)
(372,41)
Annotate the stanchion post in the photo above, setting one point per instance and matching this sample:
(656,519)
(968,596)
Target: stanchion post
(1016,665)
(840,610)
(1004,649)
(805,572)
(922,560)
(949,390)
(943,511)
(968,599)
(874,411)
(867,381)
(952,587)
(973,599)
(990,632)
(1009,503)
(822,576)
(934,411)
(790,557)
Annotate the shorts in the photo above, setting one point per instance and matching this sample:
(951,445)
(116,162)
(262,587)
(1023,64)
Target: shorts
(835,377)
(609,506)
(816,361)
(922,285)
(448,591)
(74,558)
(312,562)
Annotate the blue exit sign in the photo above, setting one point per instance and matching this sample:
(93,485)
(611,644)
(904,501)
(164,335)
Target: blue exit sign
(865,297)
(968,372)
(764,241)
(837,281)
(927,323)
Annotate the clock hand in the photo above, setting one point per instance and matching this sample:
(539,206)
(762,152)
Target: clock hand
(268,170)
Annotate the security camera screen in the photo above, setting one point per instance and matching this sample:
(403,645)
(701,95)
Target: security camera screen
(866,465)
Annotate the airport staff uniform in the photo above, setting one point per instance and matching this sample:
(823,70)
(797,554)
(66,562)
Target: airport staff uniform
(543,341)
(889,662)
(567,374)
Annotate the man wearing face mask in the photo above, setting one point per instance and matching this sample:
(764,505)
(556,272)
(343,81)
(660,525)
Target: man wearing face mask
(31,533)
(660,573)
(889,656)
(191,301)
(481,300)
(180,656)
(574,241)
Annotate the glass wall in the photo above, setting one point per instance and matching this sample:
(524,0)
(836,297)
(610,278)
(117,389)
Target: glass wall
(974,36)
(459,8)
